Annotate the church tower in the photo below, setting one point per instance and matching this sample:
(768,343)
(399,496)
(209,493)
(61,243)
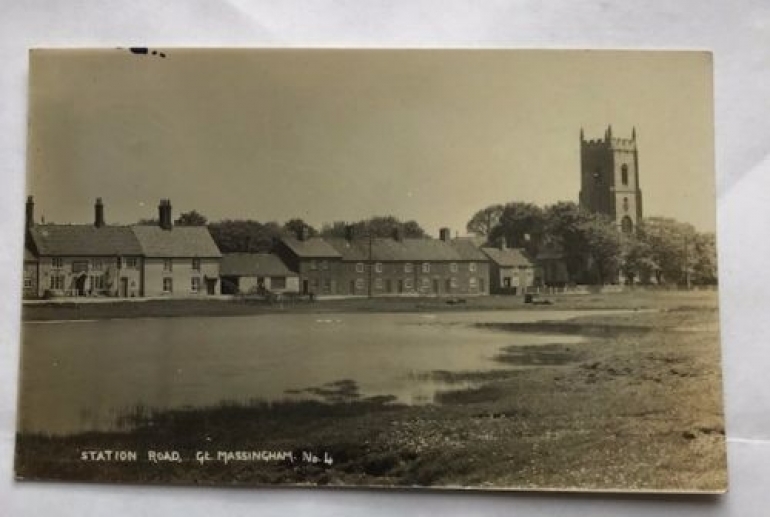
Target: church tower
(609,178)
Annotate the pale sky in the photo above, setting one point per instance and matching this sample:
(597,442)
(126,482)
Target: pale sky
(326,135)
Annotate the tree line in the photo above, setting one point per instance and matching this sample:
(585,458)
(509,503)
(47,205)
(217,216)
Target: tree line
(589,244)
(248,235)
(595,251)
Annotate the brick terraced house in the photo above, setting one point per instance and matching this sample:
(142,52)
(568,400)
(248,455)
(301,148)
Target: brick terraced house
(360,266)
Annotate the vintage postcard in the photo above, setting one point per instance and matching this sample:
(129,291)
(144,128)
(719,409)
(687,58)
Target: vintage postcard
(486,269)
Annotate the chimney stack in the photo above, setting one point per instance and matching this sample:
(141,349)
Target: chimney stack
(164,214)
(445,234)
(30,214)
(503,245)
(303,234)
(98,213)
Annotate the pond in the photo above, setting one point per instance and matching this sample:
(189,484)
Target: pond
(83,375)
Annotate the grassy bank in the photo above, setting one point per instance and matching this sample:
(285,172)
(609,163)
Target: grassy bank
(638,299)
(636,406)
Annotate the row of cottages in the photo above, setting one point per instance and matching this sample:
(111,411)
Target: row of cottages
(119,261)
(364,266)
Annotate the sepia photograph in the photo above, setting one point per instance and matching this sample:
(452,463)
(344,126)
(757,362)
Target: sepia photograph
(396,268)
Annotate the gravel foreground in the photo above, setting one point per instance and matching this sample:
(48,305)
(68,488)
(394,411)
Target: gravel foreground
(637,406)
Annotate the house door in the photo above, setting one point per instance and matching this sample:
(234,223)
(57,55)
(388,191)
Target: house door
(400,286)
(388,286)
(211,285)
(80,285)
(123,288)
(507,282)
(305,287)
(435,285)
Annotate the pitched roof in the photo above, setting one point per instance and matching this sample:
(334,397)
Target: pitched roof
(409,249)
(84,240)
(509,257)
(180,241)
(468,248)
(253,264)
(314,247)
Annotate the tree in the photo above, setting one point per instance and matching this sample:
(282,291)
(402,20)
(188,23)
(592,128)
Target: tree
(705,259)
(671,248)
(562,228)
(378,226)
(520,226)
(485,220)
(636,258)
(244,235)
(602,242)
(191,218)
(294,226)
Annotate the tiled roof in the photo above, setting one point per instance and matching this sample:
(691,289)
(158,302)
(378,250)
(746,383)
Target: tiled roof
(253,264)
(408,249)
(314,247)
(468,248)
(180,241)
(510,257)
(84,240)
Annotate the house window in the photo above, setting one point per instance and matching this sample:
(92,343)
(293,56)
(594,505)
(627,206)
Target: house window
(324,265)
(472,283)
(378,283)
(27,282)
(426,267)
(453,283)
(426,283)
(79,266)
(314,284)
(57,262)
(313,265)
(131,262)
(408,283)
(472,267)
(360,267)
(277,282)
(196,264)
(168,264)
(97,282)
(481,285)
(327,285)
(453,267)
(168,285)
(195,284)
(408,267)
(97,265)
(57,282)
(378,267)
(359,284)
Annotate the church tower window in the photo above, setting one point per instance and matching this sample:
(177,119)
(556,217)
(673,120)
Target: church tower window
(624,174)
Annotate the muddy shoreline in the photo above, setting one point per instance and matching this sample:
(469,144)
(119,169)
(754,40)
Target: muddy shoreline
(633,407)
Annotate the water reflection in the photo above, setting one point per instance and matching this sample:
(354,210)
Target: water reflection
(84,375)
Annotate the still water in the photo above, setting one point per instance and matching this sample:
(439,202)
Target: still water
(80,376)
